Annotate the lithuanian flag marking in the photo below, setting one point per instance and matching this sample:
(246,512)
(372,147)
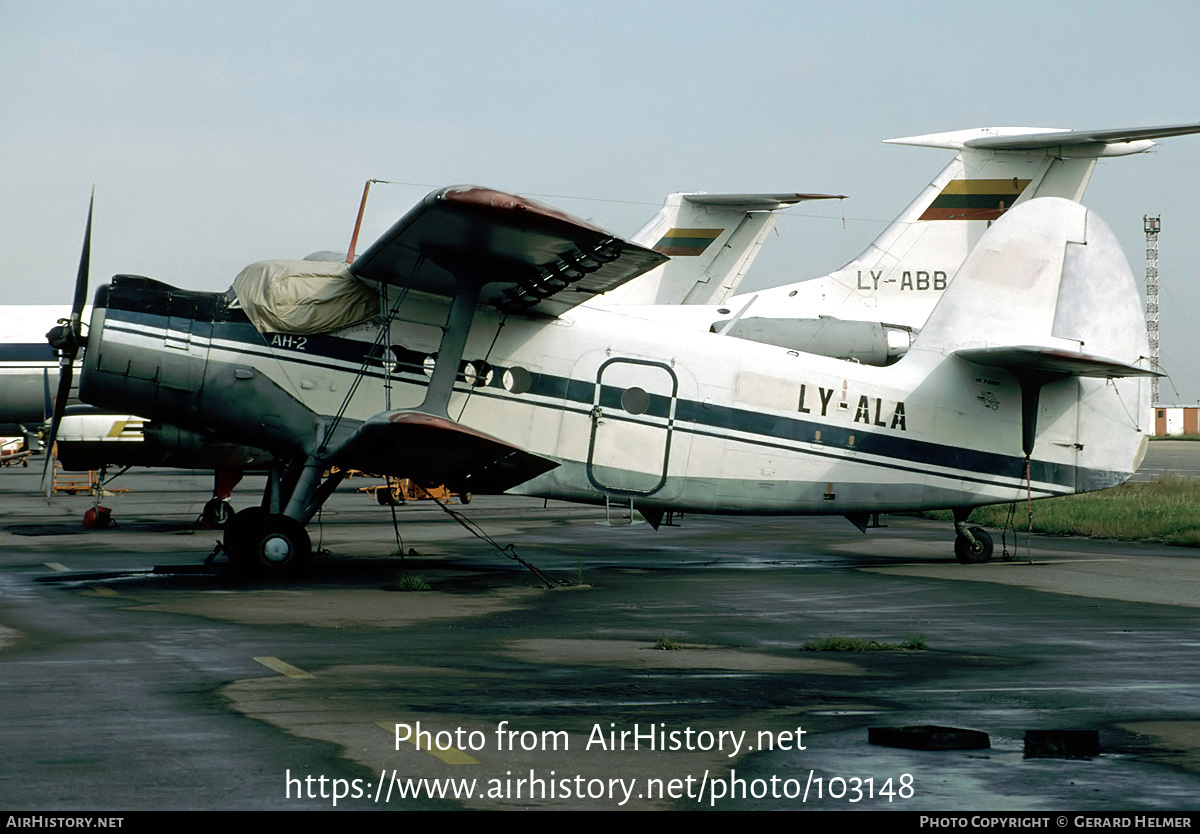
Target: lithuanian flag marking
(686,241)
(975,199)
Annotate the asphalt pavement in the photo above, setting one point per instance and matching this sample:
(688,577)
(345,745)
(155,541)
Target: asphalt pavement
(664,669)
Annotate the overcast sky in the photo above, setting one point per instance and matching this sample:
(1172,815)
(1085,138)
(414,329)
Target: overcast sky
(221,133)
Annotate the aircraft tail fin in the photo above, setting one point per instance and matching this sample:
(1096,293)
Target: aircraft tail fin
(901,274)
(712,240)
(1044,315)
(1050,274)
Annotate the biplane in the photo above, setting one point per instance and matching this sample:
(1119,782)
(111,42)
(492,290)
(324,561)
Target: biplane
(465,348)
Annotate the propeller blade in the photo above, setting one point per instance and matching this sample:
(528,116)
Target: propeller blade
(85,260)
(47,400)
(66,373)
(68,339)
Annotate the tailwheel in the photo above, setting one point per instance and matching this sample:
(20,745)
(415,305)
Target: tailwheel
(973,552)
(267,543)
(216,513)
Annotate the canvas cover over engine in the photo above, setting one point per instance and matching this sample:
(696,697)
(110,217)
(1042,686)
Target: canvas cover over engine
(303,297)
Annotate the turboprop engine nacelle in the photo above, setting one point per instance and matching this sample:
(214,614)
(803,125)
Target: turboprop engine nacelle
(868,342)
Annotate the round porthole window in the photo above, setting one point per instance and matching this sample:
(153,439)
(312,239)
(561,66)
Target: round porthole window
(635,400)
(517,380)
(477,373)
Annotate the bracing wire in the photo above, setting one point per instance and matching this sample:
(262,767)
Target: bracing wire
(509,551)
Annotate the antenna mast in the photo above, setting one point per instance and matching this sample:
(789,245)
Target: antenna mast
(1152,226)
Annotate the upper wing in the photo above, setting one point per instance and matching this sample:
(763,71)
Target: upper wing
(525,256)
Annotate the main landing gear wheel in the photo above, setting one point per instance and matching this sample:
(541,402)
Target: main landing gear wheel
(258,541)
(237,531)
(974,553)
(217,513)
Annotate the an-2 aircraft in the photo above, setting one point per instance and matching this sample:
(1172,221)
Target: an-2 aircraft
(867,311)
(456,350)
(89,438)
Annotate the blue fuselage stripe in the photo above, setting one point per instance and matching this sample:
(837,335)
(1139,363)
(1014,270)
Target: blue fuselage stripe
(767,430)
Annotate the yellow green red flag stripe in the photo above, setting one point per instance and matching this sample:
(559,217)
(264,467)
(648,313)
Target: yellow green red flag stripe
(975,199)
(686,241)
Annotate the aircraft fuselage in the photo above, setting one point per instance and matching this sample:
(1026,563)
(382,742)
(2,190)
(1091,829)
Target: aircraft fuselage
(629,410)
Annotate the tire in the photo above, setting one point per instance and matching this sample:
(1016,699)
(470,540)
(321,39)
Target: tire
(278,546)
(975,554)
(217,513)
(237,533)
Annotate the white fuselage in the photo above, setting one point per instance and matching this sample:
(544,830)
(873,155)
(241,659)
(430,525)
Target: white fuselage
(28,365)
(663,416)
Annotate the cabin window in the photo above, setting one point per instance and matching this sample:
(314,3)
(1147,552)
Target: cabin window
(517,380)
(477,373)
(635,400)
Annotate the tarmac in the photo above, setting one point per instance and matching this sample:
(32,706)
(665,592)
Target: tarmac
(663,669)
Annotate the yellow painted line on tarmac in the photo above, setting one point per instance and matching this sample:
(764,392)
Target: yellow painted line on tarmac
(449,755)
(58,566)
(104,591)
(1065,561)
(277,665)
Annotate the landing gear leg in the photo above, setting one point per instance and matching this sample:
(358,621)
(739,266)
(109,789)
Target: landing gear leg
(973,545)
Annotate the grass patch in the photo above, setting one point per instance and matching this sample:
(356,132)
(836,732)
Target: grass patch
(666,644)
(408,582)
(1166,510)
(914,642)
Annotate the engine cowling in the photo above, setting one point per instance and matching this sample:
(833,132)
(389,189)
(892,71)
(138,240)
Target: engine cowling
(867,342)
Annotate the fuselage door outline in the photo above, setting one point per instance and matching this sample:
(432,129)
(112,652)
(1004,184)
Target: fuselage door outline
(633,419)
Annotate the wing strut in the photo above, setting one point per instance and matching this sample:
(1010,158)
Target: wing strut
(450,353)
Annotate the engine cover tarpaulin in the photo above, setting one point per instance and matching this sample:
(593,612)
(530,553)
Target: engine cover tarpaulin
(303,297)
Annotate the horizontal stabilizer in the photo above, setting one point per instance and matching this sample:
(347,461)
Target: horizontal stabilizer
(1051,361)
(712,240)
(757,202)
(1088,143)
(526,257)
(434,450)
(1040,139)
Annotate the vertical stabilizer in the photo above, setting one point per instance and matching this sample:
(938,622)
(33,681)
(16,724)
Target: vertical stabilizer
(1044,323)
(900,277)
(712,240)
